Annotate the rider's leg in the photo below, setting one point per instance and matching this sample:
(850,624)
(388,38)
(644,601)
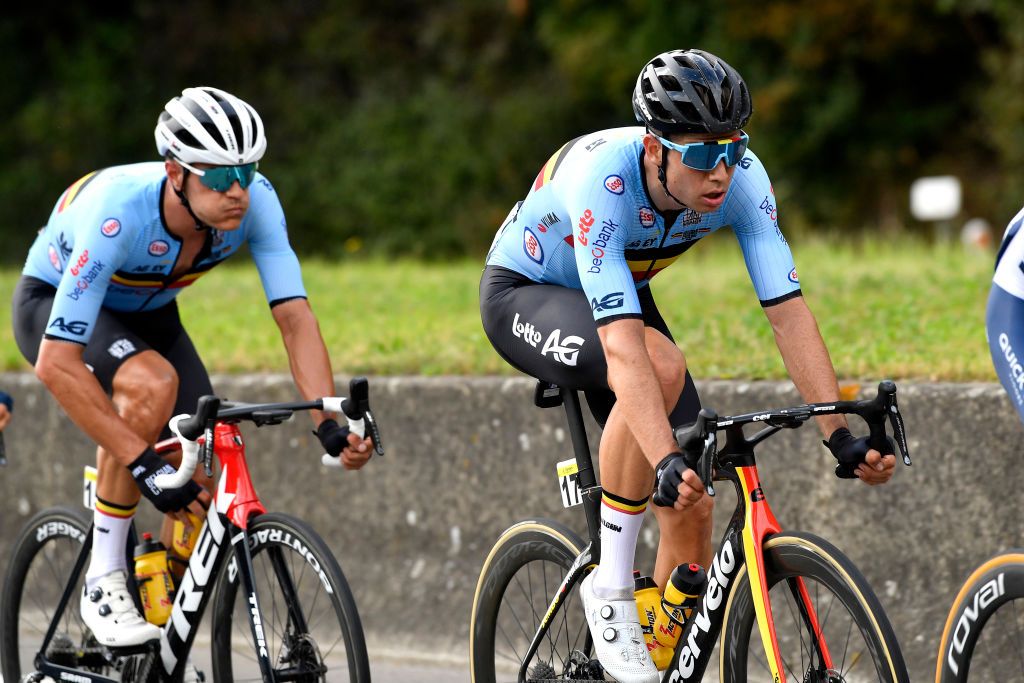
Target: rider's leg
(144,390)
(626,474)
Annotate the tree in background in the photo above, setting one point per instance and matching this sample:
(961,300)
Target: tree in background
(415,135)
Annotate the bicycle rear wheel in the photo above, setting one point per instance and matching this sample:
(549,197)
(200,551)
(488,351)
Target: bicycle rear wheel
(310,621)
(856,631)
(42,559)
(983,639)
(519,578)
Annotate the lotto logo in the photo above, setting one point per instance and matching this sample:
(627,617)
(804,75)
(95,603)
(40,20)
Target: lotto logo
(614,184)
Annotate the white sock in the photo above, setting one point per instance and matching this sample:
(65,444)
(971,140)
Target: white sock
(109,537)
(620,525)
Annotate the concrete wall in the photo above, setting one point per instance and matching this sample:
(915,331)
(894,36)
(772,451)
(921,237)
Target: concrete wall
(467,457)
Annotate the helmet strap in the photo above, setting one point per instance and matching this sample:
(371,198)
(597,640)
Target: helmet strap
(662,178)
(200,226)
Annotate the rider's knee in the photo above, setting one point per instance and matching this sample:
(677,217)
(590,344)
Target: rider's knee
(147,388)
(669,365)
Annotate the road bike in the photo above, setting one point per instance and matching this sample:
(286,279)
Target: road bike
(789,605)
(983,639)
(282,609)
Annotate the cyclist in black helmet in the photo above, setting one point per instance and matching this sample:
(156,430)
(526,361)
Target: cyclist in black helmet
(565,298)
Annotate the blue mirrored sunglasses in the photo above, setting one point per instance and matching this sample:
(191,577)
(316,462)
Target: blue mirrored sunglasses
(704,156)
(221,178)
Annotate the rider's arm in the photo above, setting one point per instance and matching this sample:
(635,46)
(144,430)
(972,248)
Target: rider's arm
(61,369)
(806,357)
(307,354)
(631,376)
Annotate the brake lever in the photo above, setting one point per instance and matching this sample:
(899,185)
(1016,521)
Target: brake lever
(708,457)
(207,453)
(378,447)
(899,431)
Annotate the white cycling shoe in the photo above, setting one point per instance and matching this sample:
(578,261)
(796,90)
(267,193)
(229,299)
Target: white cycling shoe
(618,639)
(192,674)
(110,613)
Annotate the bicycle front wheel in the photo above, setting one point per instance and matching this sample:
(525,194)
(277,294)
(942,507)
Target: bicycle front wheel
(854,630)
(519,578)
(983,639)
(42,559)
(310,623)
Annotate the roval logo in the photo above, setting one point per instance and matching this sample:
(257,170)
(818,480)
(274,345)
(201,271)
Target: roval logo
(985,596)
(714,595)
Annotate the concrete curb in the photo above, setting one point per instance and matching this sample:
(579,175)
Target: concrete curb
(467,457)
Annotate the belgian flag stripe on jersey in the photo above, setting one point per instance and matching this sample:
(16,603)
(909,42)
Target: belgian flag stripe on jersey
(547,171)
(74,189)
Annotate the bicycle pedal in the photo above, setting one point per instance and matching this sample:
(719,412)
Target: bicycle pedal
(149,647)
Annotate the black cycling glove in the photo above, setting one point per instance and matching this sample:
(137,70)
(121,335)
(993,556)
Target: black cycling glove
(145,468)
(849,451)
(333,437)
(668,475)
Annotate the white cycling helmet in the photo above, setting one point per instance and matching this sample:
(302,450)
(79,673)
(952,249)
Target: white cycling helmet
(207,125)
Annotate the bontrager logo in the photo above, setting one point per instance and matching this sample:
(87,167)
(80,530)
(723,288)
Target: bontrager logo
(714,595)
(991,591)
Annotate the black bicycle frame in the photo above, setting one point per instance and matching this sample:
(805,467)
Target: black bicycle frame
(190,601)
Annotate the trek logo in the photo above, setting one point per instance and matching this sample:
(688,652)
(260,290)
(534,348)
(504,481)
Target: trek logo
(722,568)
(585,223)
(565,351)
(989,593)
(525,331)
(608,302)
(1016,371)
(76,327)
(193,586)
(614,527)
(261,641)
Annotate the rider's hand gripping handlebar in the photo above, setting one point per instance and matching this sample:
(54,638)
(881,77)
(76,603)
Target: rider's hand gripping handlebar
(356,409)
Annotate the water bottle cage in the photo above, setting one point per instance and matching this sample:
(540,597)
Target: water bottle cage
(670,609)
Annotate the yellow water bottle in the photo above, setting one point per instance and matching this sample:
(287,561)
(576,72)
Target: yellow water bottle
(153,579)
(648,605)
(683,591)
(184,537)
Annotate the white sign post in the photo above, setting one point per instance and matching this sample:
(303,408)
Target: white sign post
(936,199)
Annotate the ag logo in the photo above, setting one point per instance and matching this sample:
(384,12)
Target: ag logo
(608,302)
(563,350)
(76,327)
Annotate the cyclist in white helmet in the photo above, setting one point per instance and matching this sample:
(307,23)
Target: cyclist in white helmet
(95,314)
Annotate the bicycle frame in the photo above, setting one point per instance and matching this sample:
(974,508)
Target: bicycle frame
(235,504)
(742,544)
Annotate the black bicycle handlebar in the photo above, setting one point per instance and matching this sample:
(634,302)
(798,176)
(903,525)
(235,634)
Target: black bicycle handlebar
(699,441)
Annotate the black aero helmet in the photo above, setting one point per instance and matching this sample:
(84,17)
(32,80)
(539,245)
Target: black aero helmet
(691,91)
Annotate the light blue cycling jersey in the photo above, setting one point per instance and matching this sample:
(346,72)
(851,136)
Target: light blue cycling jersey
(106,245)
(589,223)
